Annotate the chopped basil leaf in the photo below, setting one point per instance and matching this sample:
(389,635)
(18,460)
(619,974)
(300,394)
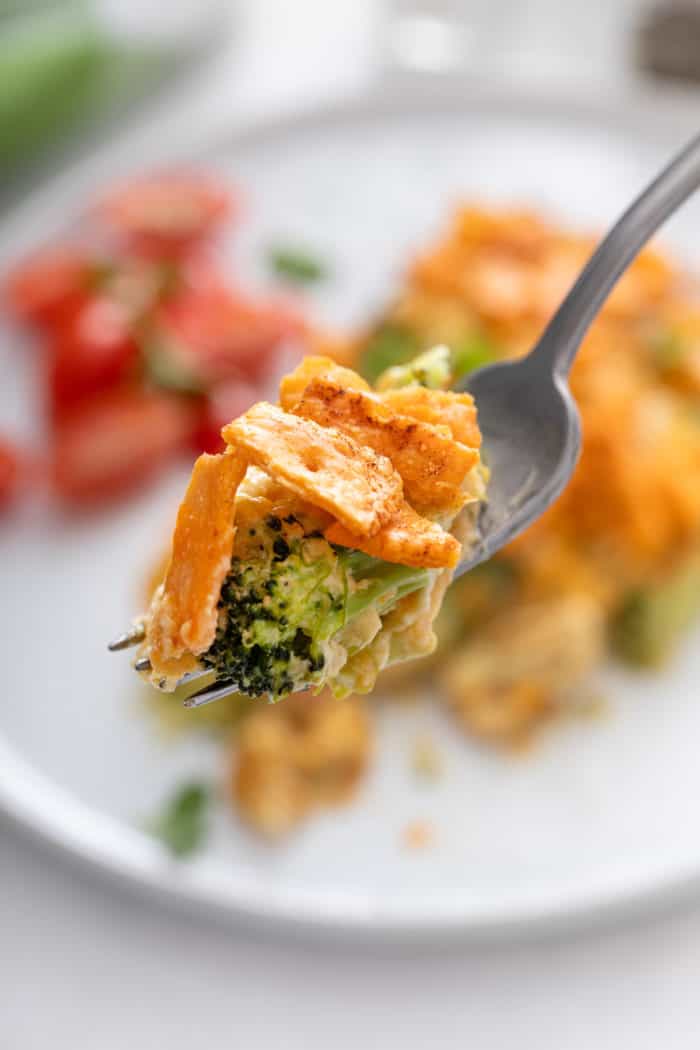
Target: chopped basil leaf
(182,824)
(297,266)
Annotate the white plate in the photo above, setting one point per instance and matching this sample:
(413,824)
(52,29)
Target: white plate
(600,815)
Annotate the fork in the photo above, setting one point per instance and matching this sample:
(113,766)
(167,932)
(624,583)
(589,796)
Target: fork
(528,418)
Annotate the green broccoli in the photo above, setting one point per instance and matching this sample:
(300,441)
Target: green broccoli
(390,345)
(438,368)
(284,612)
(435,369)
(652,620)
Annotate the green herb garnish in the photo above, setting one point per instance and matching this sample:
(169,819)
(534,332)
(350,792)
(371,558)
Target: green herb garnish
(297,266)
(182,824)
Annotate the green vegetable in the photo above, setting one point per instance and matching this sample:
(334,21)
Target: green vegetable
(50,69)
(389,346)
(434,369)
(182,825)
(393,346)
(382,583)
(297,266)
(473,353)
(61,70)
(11,8)
(652,620)
(283,607)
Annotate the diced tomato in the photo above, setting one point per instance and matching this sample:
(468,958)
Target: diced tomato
(167,211)
(199,273)
(225,335)
(50,285)
(94,351)
(116,442)
(9,474)
(217,409)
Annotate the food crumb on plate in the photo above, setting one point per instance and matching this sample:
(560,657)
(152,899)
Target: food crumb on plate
(418,835)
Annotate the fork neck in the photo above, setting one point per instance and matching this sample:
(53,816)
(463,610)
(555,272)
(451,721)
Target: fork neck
(563,335)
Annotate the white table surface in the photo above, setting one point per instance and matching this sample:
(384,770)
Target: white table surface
(83,964)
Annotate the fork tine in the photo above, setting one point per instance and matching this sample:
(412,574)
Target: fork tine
(194,676)
(207,696)
(144,664)
(133,636)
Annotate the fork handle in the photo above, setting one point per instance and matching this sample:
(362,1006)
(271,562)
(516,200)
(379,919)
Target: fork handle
(563,335)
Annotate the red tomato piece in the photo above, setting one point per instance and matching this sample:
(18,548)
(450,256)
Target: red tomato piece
(96,350)
(117,442)
(218,408)
(49,285)
(229,335)
(9,474)
(170,210)
(199,274)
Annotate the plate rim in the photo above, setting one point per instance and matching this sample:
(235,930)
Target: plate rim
(36,803)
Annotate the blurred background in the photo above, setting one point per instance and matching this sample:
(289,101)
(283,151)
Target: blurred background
(192,196)
(75,74)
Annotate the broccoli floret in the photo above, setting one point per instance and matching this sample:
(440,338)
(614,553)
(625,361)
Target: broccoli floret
(652,619)
(435,369)
(281,609)
(390,346)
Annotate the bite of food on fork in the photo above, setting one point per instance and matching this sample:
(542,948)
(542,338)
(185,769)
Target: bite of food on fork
(316,549)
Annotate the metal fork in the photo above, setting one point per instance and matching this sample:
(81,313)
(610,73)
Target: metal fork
(137,633)
(528,418)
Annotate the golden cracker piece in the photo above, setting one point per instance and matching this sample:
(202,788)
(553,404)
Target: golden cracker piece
(322,465)
(292,386)
(184,610)
(456,411)
(432,464)
(408,539)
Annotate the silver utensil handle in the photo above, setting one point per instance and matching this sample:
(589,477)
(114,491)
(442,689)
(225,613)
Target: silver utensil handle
(564,333)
